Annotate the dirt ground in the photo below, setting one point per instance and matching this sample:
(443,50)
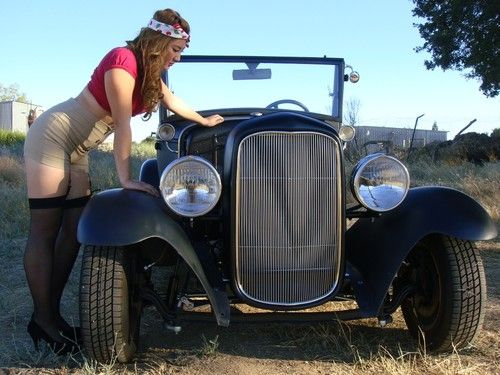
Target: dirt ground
(357,347)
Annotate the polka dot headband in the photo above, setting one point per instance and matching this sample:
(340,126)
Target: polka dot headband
(174,31)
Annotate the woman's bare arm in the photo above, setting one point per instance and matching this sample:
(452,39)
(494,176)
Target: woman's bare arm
(176,105)
(119,89)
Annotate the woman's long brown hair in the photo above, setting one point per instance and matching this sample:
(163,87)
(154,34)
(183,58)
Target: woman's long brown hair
(149,47)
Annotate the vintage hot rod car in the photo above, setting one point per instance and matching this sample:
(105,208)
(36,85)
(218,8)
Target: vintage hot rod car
(255,211)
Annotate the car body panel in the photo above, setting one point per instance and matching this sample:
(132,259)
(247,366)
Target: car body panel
(116,218)
(376,247)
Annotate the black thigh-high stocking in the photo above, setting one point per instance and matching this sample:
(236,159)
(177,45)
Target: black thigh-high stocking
(66,252)
(38,263)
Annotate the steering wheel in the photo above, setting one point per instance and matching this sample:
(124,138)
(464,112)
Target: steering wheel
(274,105)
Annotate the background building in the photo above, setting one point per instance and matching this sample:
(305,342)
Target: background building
(399,137)
(14,115)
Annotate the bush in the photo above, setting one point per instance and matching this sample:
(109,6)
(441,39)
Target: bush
(467,148)
(8,138)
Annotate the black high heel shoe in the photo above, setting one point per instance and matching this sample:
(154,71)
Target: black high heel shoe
(59,347)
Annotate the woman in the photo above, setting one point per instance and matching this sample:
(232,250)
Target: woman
(126,83)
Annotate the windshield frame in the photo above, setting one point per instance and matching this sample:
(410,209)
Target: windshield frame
(338,75)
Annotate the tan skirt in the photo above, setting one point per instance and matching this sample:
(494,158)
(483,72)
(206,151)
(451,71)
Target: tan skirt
(62,136)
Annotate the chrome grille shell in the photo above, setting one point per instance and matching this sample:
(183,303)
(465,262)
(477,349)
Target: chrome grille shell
(288,238)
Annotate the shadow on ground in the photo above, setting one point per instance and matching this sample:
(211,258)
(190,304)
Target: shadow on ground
(332,341)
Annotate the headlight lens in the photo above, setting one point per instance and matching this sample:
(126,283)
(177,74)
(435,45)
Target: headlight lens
(380,182)
(166,132)
(190,186)
(347,133)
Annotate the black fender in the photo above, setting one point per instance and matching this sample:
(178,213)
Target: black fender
(376,247)
(120,217)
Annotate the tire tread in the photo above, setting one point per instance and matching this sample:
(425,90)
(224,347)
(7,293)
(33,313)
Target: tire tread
(102,282)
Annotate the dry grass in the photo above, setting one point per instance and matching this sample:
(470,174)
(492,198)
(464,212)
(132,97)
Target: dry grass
(488,188)
(481,183)
(334,347)
(12,171)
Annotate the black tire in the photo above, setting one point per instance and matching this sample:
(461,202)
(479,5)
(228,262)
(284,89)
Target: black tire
(446,310)
(110,305)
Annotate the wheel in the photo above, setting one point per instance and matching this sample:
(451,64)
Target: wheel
(110,304)
(274,105)
(447,308)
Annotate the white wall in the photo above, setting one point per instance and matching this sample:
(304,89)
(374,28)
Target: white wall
(14,115)
(6,115)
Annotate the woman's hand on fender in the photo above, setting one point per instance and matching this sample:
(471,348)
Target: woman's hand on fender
(213,120)
(142,186)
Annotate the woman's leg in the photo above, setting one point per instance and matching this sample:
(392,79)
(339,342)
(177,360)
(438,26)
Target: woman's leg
(55,147)
(47,187)
(67,246)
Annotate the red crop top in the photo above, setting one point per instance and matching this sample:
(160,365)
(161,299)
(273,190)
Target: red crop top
(122,58)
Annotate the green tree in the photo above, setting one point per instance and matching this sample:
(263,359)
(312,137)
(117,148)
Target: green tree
(462,35)
(495,133)
(12,92)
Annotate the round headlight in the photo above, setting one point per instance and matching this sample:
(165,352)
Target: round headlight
(380,182)
(166,131)
(190,186)
(347,133)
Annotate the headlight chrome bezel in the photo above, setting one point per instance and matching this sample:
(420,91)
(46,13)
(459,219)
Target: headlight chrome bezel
(371,161)
(204,165)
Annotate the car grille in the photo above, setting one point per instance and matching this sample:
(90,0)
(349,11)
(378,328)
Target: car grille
(287,217)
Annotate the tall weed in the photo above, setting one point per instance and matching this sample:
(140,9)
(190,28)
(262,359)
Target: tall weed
(14,208)
(11,170)
(102,165)
(13,202)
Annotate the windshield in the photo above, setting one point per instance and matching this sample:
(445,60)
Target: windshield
(220,82)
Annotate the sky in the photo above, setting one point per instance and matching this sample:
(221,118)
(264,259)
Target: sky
(50,48)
